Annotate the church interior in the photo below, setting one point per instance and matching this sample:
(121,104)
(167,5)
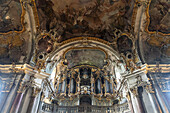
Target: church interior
(84,56)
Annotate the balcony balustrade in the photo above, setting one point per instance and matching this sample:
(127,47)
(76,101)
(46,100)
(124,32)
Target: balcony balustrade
(121,108)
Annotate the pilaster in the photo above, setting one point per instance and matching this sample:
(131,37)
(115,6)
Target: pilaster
(136,81)
(158,74)
(24,88)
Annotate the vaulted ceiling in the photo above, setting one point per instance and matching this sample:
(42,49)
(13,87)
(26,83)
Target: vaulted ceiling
(29,27)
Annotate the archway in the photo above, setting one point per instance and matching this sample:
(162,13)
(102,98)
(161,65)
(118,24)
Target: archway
(85,100)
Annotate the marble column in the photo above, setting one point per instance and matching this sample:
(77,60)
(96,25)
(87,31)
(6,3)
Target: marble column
(136,81)
(33,106)
(32,100)
(138,100)
(18,99)
(140,97)
(152,98)
(3,97)
(130,102)
(26,100)
(5,86)
(18,102)
(12,94)
(20,94)
(27,96)
(40,102)
(36,104)
(162,100)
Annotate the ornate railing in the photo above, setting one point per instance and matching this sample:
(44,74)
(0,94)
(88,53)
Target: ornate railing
(121,108)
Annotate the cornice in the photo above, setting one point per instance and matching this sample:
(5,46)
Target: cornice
(163,68)
(136,72)
(26,68)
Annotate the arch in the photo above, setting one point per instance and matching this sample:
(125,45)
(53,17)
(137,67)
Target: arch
(85,100)
(55,56)
(86,79)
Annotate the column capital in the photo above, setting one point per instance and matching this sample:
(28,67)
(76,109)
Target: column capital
(31,76)
(134,91)
(149,88)
(137,78)
(35,72)
(128,96)
(36,91)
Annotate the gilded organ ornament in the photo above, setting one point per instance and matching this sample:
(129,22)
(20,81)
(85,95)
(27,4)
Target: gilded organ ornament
(84,75)
(86,82)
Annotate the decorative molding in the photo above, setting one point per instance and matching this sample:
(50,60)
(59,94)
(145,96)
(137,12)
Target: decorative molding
(28,70)
(22,21)
(163,68)
(36,91)
(134,91)
(149,88)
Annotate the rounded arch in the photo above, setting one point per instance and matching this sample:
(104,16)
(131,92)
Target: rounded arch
(85,83)
(92,42)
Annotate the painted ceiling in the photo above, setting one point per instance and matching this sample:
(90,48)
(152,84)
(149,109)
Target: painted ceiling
(85,56)
(67,19)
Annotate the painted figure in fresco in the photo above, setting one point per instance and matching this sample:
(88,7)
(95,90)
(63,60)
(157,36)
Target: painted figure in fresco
(159,11)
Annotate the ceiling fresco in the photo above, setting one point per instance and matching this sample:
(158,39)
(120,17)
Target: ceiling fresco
(10,12)
(24,23)
(156,43)
(13,35)
(159,16)
(98,18)
(156,48)
(85,56)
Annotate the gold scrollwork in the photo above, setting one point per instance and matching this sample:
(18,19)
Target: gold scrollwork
(36,91)
(36,18)
(134,91)
(149,88)
(87,38)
